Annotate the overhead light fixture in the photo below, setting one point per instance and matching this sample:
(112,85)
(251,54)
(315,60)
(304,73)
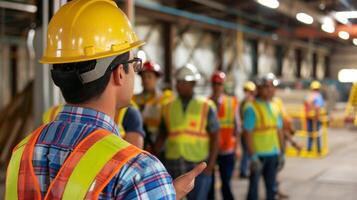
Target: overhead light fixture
(347,75)
(304,18)
(347,14)
(269,3)
(329,28)
(341,18)
(344,35)
(354,41)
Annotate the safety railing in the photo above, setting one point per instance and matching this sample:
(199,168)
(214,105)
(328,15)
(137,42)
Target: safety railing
(312,134)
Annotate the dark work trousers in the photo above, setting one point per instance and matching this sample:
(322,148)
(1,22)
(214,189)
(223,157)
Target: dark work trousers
(269,171)
(226,166)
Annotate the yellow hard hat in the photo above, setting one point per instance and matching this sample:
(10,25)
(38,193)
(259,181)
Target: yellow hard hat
(315,85)
(86,30)
(249,85)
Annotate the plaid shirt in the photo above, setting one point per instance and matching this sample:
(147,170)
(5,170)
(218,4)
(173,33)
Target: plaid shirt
(143,177)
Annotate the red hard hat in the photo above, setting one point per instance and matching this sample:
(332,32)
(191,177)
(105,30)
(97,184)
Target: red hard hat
(149,66)
(218,77)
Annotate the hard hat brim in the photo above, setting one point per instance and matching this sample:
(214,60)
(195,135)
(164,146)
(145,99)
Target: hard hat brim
(59,60)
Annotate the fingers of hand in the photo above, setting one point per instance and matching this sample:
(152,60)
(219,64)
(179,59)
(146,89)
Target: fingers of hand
(197,170)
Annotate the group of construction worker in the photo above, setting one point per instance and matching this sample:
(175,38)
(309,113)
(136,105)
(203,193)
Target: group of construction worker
(105,144)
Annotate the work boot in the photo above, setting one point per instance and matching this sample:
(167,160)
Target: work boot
(281,195)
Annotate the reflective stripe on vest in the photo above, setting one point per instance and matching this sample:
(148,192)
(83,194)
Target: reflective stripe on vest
(226,116)
(79,177)
(187,130)
(265,134)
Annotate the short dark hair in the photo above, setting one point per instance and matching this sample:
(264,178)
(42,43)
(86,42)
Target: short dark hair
(67,77)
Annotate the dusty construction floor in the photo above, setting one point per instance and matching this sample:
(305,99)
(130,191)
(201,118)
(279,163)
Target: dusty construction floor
(329,178)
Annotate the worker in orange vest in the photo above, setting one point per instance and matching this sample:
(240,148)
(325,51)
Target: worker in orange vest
(127,119)
(81,154)
(151,100)
(229,134)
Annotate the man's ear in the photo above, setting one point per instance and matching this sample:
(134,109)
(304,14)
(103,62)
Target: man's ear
(118,74)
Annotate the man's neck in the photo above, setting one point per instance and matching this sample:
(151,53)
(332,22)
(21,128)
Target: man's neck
(105,108)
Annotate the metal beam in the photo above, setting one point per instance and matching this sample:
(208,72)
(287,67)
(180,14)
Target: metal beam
(18,6)
(291,8)
(169,35)
(236,12)
(167,16)
(201,18)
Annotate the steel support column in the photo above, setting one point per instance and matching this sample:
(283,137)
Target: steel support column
(327,66)
(314,65)
(298,57)
(169,42)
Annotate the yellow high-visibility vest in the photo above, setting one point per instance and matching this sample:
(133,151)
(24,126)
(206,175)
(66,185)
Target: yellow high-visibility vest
(187,135)
(265,133)
(79,177)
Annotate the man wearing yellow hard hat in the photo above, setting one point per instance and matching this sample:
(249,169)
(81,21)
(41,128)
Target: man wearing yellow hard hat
(249,89)
(81,154)
(313,104)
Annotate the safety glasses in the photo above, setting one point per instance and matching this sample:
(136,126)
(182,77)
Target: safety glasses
(137,64)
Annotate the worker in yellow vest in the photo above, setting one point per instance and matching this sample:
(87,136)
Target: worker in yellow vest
(262,124)
(313,104)
(81,154)
(249,89)
(151,100)
(127,119)
(189,130)
(229,134)
(288,131)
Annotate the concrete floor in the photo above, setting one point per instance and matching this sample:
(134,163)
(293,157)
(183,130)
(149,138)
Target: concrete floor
(329,178)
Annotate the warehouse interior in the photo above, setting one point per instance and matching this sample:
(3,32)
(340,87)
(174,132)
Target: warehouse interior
(297,40)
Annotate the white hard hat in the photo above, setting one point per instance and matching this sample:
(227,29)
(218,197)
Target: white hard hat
(188,73)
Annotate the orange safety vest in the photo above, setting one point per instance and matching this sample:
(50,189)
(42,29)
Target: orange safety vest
(226,116)
(310,108)
(79,177)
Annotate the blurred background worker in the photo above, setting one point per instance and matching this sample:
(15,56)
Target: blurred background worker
(150,101)
(190,132)
(262,128)
(127,119)
(313,104)
(288,130)
(249,89)
(229,134)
